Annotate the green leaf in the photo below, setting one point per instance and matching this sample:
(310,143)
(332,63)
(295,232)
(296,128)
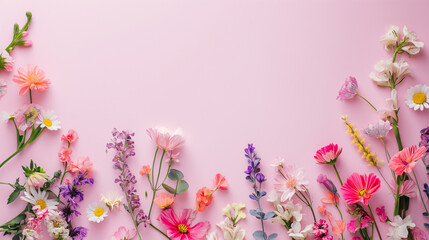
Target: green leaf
(13,196)
(168,188)
(182,187)
(15,29)
(175,174)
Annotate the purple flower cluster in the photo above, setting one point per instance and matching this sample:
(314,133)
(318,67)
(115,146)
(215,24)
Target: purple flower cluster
(320,230)
(424,137)
(72,195)
(123,145)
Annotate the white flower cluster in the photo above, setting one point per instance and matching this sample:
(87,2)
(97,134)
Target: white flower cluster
(229,227)
(57,226)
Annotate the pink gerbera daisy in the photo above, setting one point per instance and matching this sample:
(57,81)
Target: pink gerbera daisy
(359,188)
(179,227)
(328,154)
(34,78)
(405,160)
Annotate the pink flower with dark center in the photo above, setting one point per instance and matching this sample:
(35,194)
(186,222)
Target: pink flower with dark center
(359,188)
(33,79)
(349,89)
(406,160)
(166,140)
(328,154)
(180,228)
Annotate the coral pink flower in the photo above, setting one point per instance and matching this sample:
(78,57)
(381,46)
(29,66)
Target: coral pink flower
(124,234)
(339,226)
(405,160)
(70,137)
(145,170)
(64,154)
(166,140)
(330,198)
(322,209)
(220,182)
(164,200)
(34,78)
(82,165)
(349,89)
(359,188)
(328,154)
(179,227)
(203,199)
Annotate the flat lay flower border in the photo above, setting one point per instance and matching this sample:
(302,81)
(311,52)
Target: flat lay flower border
(54,199)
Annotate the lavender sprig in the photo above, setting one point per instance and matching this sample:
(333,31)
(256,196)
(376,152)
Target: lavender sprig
(254,175)
(123,144)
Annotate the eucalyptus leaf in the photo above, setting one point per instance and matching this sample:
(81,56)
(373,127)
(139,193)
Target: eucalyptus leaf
(175,174)
(272,236)
(269,215)
(168,188)
(182,187)
(259,235)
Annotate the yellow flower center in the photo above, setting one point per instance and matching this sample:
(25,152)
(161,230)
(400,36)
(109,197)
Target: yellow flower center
(47,122)
(419,98)
(98,212)
(362,192)
(41,203)
(182,228)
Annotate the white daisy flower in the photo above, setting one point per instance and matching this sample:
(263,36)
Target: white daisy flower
(40,198)
(49,120)
(418,97)
(97,211)
(4,117)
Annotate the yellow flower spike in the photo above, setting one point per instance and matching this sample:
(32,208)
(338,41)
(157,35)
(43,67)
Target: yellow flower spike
(359,142)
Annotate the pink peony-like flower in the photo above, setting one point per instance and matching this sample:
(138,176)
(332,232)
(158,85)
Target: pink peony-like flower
(348,90)
(145,170)
(359,188)
(406,160)
(64,155)
(164,200)
(179,227)
(328,154)
(124,234)
(220,182)
(70,137)
(166,140)
(381,213)
(82,165)
(33,79)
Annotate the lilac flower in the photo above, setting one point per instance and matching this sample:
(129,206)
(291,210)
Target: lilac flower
(78,233)
(260,177)
(424,136)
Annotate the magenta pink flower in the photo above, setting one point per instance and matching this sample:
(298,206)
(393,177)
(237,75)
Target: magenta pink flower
(405,160)
(70,137)
(351,226)
(328,154)
(381,213)
(124,234)
(359,188)
(166,140)
(179,227)
(349,89)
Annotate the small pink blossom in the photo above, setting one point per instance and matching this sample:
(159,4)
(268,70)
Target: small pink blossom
(122,233)
(348,90)
(28,43)
(70,137)
(165,139)
(25,34)
(64,154)
(220,182)
(381,213)
(351,226)
(145,169)
(328,154)
(406,160)
(418,234)
(366,221)
(82,165)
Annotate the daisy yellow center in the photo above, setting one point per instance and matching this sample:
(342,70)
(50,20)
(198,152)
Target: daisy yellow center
(41,203)
(98,212)
(47,122)
(362,192)
(419,98)
(182,228)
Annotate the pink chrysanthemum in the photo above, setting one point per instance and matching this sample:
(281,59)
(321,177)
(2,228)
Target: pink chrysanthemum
(359,188)
(34,78)
(328,154)
(405,160)
(289,181)
(348,90)
(179,227)
(166,140)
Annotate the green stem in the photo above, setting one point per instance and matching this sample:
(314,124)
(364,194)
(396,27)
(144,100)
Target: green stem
(398,185)
(308,203)
(6,184)
(420,192)
(168,170)
(367,101)
(155,186)
(11,156)
(397,135)
(31,98)
(338,175)
(159,169)
(339,211)
(165,235)
(151,204)
(153,165)
(375,222)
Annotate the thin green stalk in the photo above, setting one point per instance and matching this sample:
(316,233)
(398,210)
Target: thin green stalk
(159,169)
(309,205)
(155,186)
(375,222)
(153,165)
(11,156)
(339,211)
(367,101)
(6,184)
(420,192)
(31,98)
(338,175)
(165,235)
(397,135)
(398,185)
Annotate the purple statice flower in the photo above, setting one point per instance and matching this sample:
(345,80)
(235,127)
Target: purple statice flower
(320,231)
(254,175)
(424,142)
(78,233)
(123,145)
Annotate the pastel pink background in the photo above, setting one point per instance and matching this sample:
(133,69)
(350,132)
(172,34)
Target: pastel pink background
(227,72)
